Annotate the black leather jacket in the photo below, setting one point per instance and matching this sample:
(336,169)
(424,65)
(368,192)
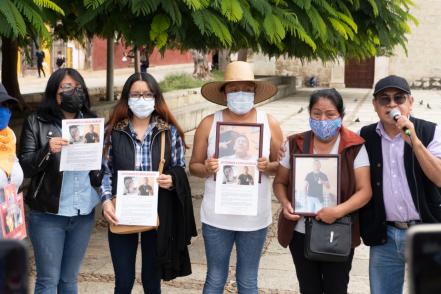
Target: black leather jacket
(40,165)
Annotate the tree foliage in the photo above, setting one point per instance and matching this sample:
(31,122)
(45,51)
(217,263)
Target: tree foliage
(21,22)
(309,29)
(24,19)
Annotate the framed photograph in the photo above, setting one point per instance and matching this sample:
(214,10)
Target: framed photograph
(239,142)
(316,182)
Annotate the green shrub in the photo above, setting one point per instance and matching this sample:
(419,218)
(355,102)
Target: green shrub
(186,81)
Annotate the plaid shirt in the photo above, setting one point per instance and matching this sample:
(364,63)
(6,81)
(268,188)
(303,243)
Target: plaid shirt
(143,158)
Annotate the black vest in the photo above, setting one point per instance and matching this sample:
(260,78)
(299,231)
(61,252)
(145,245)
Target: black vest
(123,151)
(373,215)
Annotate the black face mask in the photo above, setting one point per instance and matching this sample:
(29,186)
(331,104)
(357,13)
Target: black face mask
(73,100)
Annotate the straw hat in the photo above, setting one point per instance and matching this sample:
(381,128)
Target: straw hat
(237,71)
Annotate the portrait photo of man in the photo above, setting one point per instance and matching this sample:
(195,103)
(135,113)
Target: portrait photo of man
(91,136)
(145,189)
(245,178)
(75,135)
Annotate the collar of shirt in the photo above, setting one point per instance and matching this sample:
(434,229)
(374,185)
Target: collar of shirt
(148,131)
(382,133)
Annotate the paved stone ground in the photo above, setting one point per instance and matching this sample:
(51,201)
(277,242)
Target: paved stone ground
(276,274)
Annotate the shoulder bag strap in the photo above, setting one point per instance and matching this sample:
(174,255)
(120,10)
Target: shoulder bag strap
(162,159)
(306,142)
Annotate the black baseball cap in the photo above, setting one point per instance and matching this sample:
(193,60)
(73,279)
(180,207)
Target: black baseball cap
(4,96)
(392,81)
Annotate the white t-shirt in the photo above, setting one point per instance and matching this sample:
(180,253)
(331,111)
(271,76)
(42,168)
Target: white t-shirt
(361,160)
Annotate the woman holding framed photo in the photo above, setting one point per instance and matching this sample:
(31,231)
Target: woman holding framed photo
(239,92)
(327,136)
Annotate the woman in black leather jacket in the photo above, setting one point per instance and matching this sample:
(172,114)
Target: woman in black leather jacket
(62,203)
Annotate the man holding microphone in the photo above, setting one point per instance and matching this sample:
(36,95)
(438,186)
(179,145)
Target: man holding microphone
(405,157)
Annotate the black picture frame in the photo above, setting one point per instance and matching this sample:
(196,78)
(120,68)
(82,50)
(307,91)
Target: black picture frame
(315,182)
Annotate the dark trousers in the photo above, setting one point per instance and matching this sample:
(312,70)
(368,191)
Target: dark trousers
(40,69)
(123,251)
(317,277)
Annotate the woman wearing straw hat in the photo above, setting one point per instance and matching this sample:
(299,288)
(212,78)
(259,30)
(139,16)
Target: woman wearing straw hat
(239,92)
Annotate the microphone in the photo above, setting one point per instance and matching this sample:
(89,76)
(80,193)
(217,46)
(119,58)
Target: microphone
(395,114)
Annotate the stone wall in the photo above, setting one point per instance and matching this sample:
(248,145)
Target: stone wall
(423,60)
(304,70)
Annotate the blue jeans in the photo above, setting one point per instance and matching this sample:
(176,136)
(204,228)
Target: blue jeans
(387,263)
(123,251)
(218,246)
(59,243)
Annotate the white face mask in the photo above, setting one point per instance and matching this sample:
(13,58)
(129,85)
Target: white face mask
(240,102)
(141,108)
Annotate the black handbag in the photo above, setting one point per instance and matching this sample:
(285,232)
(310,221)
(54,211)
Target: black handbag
(328,242)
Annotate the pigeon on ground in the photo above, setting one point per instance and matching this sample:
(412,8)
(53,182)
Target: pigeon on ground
(300,110)
(428,106)
(421,102)
(357,120)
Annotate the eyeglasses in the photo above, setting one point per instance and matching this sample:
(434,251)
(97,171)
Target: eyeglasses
(144,95)
(386,100)
(69,86)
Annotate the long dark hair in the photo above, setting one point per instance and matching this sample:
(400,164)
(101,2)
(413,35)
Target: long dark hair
(122,110)
(332,95)
(49,106)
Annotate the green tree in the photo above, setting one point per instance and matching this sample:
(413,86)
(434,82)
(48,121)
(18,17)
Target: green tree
(308,29)
(21,22)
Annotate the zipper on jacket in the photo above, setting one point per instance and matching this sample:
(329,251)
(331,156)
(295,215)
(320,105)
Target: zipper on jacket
(45,158)
(38,186)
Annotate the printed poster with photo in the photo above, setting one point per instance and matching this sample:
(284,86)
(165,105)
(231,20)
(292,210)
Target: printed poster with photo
(137,198)
(237,188)
(12,214)
(84,151)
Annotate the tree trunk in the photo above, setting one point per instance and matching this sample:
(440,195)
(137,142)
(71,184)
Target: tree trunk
(201,69)
(88,54)
(224,58)
(136,57)
(9,69)
(109,71)
(242,55)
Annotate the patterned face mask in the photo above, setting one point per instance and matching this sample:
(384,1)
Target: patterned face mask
(325,129)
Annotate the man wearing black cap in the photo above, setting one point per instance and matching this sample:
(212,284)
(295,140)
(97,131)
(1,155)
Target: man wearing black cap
(405,157)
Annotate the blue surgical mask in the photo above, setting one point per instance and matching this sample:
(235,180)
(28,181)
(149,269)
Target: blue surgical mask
(240,102)
(142,108)
(5,116)
(325,129)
